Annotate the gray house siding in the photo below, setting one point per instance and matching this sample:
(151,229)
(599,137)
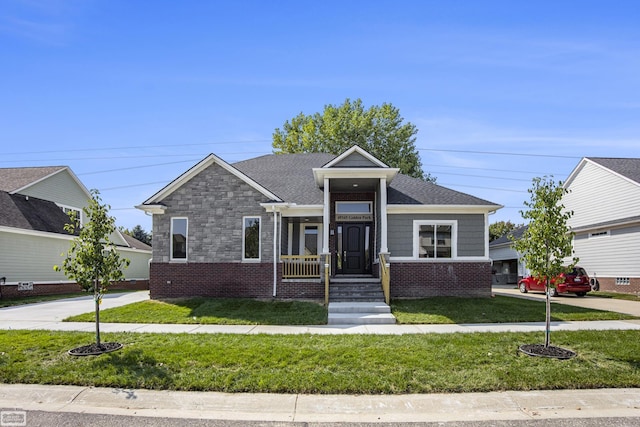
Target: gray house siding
(355,160)
(471,235)
(215,203)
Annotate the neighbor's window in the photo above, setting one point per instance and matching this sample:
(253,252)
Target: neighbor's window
(179,238)
(435,239)
(77,212)
(251,238)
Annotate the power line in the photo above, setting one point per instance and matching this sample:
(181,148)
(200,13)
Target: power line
(498,153)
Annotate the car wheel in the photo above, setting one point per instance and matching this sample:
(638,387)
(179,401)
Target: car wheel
(554,292)
(523,287)
(581,294)
(595,285)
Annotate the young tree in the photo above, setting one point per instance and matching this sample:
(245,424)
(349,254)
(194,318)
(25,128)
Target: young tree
(379,130)
(547,242)
(92,260)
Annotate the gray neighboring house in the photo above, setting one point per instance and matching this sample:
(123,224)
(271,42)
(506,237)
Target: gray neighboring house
(508,269)
(604,195)
(33,206)
(294,225)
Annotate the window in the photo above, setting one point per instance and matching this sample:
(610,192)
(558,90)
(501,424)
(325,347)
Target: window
(311,240)
(77,212)
(179,238)
(435,239)
(353,207)
(251,238)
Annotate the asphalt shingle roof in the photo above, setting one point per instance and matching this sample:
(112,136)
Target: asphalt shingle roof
(12,179)
(31,213)
(290,177)
(629,168)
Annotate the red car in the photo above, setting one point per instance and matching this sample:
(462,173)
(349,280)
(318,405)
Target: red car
(577,282)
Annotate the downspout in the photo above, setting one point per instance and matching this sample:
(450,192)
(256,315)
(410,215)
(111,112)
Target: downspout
(275,251)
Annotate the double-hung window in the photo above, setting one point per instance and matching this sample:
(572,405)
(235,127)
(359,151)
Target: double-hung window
(435,239)
(251,238)
(179,227)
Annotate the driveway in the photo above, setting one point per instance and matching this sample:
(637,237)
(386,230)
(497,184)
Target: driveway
(61,309)
(588,301)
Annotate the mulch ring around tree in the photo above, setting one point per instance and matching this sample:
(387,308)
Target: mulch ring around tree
(539,350)
(95,350)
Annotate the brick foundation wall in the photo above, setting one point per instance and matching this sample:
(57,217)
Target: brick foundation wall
(226,280)
(422,279)
(608,284)
(40,289)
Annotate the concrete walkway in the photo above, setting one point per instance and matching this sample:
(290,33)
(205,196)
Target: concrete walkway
(504,406)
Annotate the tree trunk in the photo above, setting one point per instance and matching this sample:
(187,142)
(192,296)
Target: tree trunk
(97,302)
(547,334)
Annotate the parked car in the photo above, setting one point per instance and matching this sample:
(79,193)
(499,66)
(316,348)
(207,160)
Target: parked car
(576,282)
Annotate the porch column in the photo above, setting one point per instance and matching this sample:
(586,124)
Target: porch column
(383,216)
(326,217)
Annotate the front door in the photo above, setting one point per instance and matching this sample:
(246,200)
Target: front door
(353,248)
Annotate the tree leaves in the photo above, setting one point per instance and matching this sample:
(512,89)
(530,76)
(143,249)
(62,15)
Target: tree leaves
(379,130)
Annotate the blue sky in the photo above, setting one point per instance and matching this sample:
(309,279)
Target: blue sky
(130,94)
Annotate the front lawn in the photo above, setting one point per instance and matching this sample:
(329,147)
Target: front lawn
(346,364)
(436,310)
(213,311)
(500,309)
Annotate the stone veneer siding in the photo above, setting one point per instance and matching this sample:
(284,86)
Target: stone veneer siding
(430,279)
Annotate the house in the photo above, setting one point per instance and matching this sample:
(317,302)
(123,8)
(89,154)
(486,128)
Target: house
(604,195)
(292,225)
(34,202)
(508,268)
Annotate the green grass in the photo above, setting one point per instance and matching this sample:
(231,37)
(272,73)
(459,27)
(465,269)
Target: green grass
(615,295)
(438,310)
(44,298)
(500,309)
(219,311)
(345,364)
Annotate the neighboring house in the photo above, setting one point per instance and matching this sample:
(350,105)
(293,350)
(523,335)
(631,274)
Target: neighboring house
(267,227)
(604,195)
(33,206)
(508,268)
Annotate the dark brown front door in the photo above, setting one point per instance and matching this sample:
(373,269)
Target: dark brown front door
(354,247)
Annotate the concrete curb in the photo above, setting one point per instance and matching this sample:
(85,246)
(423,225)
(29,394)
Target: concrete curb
(527,405)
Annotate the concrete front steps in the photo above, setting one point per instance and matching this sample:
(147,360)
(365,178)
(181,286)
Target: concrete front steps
(360,313)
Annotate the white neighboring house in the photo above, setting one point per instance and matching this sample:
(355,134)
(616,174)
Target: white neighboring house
(507,267)
(604,195)
(33,206)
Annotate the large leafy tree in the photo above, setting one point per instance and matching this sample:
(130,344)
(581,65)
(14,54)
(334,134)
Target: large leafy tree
(92,260)
(379,129)
(501,228)
(546,244)
(138,233)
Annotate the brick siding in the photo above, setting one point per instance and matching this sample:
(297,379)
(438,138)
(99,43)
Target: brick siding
(608,284)
(459,279)
(226,280)
(40,289)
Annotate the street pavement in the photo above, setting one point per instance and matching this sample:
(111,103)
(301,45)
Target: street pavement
(510,407)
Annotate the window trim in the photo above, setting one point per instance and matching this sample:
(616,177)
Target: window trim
(244,224)
(186,243)
(416,238)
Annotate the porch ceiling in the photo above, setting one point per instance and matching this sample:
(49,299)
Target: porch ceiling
(352,185)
